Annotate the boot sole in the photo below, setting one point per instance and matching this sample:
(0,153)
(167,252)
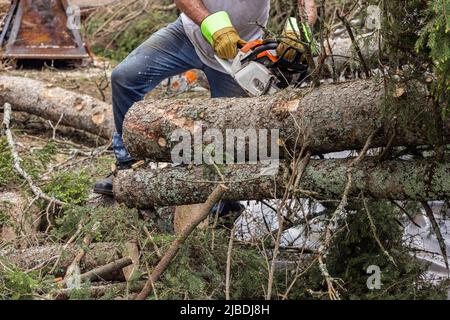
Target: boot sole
(104,192)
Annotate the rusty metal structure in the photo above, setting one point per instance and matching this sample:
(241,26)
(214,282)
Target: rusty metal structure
(38,30)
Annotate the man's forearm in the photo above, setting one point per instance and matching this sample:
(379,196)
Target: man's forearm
(308,6)
(194,9)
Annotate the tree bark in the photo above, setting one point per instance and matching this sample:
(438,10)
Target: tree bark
(78,111)
(334,117)
(395,180)
(331,118)
(106,270)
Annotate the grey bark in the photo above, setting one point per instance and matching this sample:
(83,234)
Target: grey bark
(106,270)
(330,118)
(396,180)
(79,111)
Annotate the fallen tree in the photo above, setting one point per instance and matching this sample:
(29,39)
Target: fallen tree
(396,180)
(330,118)
(68,108)
(333,117)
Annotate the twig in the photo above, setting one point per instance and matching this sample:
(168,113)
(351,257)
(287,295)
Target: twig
(205,211)
(17,160)
(98,291)
(218,211)
(152,241)
(86,242)
(68,243)
(406,213)
(228,272)
(374,231)
(296,278)
(214,225)
(55,127)
(439,128)
(333,222)
(300,167)
(387,150)
(437,231)
(355,44)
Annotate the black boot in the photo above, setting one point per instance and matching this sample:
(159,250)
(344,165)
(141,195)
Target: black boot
(105,186)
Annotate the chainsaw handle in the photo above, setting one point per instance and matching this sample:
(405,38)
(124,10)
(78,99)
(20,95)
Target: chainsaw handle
(272,45)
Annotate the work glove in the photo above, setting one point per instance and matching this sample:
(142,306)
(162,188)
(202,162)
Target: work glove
(220,33)
(294,39)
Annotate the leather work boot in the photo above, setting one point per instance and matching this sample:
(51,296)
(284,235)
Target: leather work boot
(105,186)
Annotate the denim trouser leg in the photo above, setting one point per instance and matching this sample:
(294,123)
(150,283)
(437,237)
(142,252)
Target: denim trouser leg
(166,53)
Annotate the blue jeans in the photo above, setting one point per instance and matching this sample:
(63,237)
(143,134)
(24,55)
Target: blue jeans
(166,53)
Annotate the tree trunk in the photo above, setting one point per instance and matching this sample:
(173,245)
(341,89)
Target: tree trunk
(331,118)
(79,111)
(396,180)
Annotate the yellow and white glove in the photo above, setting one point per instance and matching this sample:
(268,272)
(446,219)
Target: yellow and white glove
(291,33)
(220,33)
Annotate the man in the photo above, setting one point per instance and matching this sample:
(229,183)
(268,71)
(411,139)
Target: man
(205,28)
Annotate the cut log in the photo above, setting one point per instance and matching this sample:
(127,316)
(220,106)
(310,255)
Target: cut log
(334,117)
(396,180)
(97,255)
(103,272)
(78,111)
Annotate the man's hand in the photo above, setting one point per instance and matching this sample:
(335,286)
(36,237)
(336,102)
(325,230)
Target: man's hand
(216,28)
(220,33)
(307,9)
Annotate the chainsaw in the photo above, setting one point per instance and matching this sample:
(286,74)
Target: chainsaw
(259,71)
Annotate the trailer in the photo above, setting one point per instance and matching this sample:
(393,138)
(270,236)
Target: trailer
(41,30)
